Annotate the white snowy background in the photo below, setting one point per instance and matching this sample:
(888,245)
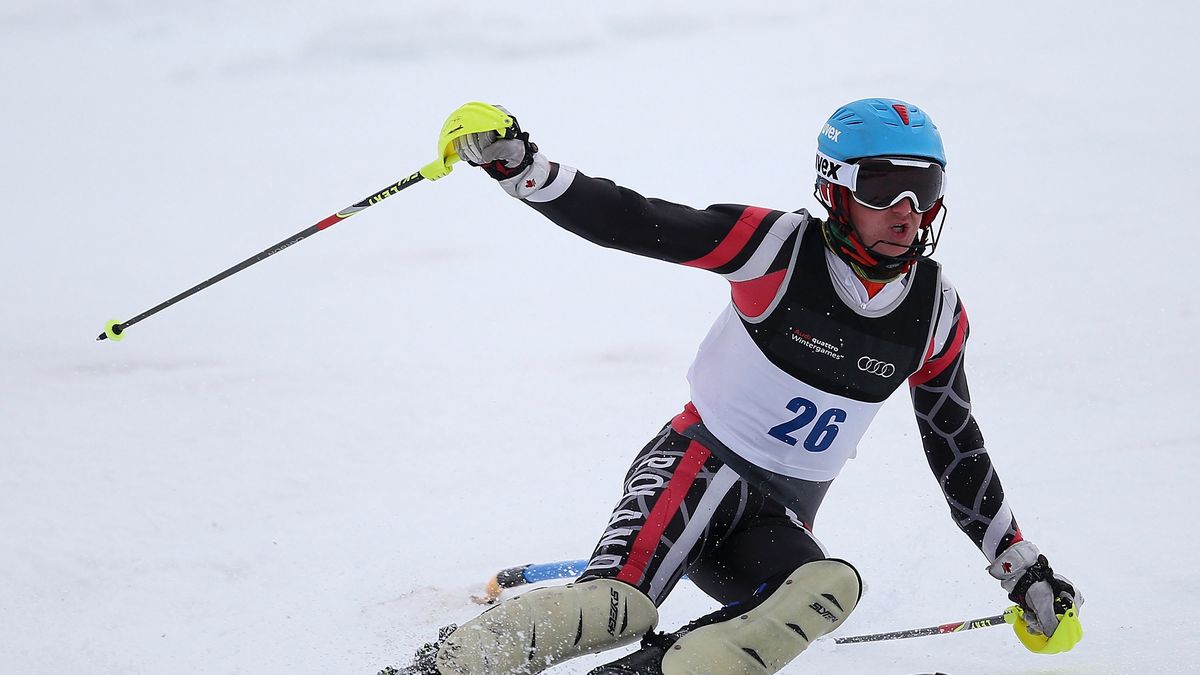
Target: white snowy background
(310,467)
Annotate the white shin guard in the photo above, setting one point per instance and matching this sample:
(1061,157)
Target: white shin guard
(548,626)
(814,600)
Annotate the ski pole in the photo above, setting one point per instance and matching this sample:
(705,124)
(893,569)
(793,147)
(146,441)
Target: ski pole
(114,330)
(469,119)
(952,627)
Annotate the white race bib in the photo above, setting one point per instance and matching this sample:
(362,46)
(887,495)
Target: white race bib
(767,416)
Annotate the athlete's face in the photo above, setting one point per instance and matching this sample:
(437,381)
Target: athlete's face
(888,231)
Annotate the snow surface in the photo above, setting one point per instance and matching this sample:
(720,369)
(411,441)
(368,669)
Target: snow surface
(309,467)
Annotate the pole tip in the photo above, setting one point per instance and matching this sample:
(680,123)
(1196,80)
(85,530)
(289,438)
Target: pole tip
(113,330)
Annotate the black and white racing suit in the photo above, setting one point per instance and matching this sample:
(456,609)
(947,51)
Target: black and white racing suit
(783,388)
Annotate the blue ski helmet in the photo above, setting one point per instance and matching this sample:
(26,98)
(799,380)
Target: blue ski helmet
(874,127)
(880,127)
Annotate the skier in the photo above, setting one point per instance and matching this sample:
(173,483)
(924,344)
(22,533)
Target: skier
(826,319)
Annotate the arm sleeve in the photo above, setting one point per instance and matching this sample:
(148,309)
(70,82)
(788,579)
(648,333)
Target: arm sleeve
(722,238)
(953,442)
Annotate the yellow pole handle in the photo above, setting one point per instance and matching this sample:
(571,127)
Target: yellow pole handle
(471,118)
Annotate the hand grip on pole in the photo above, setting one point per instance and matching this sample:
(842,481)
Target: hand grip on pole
(1068,633)
(472,118)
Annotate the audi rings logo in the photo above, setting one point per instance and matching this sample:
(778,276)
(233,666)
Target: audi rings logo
(876,367)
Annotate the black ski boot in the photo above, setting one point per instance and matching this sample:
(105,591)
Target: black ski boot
(645,661)
(425,660)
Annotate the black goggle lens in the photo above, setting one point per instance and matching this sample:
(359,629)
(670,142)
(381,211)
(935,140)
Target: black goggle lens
(881,183)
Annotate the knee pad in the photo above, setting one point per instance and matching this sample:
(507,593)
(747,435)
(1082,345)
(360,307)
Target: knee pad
(548,626)
(812,601)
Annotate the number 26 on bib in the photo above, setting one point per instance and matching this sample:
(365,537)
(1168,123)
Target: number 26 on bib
(813,429)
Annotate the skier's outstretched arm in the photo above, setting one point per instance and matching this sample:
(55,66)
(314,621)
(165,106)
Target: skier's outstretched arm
(955,450)
(722,238)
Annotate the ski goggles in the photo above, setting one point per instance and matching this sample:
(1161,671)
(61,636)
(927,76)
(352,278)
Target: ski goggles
(881,182)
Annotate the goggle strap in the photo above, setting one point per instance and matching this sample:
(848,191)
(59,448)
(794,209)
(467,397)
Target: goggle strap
(836,171)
